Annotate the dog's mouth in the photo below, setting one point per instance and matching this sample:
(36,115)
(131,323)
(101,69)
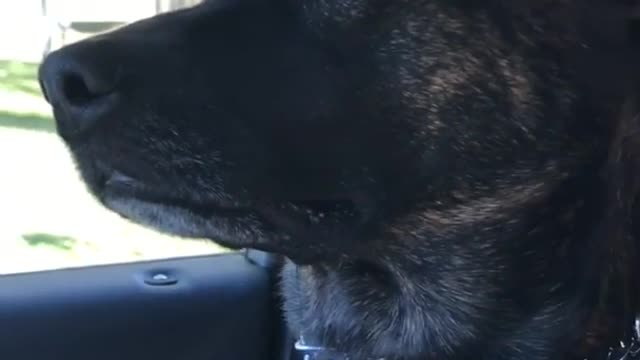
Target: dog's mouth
(121,185)
(315,211)
(306,231)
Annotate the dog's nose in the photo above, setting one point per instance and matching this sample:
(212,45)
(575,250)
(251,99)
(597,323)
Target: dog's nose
(80,84)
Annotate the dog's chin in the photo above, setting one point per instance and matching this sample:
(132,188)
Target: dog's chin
(183,222)
(232,227)
(290,229)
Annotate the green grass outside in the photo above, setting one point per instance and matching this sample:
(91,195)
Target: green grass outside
(49,219)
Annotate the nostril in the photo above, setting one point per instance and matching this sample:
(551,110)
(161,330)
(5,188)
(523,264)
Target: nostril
(81,84)
(76,90)
(71,78)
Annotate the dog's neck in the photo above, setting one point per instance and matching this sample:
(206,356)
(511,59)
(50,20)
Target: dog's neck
(619,341)
(594,291)
(625,349)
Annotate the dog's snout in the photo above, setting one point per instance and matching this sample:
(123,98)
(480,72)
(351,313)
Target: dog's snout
(80,84)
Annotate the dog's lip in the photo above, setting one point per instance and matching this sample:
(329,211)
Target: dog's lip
(122,185)
(304,220)
(117,178)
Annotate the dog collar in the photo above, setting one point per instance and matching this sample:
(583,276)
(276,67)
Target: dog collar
(305,351)
(625,350)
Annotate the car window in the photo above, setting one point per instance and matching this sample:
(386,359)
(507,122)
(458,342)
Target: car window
(49,220)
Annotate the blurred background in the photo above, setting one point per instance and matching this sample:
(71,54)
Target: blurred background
(47,218)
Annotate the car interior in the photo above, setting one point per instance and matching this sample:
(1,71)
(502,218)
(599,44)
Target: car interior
(208,307)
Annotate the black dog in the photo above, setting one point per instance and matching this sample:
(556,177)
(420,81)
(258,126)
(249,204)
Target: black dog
(451,179)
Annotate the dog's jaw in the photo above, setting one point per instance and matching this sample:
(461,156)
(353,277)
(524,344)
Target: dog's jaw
(232,230)
(305,232)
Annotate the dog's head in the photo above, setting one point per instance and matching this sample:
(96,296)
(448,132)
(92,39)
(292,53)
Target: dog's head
(424,162)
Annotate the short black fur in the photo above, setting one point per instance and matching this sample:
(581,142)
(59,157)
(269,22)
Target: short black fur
(449,178)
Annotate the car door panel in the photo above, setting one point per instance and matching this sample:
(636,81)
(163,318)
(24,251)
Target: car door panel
(221,307)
